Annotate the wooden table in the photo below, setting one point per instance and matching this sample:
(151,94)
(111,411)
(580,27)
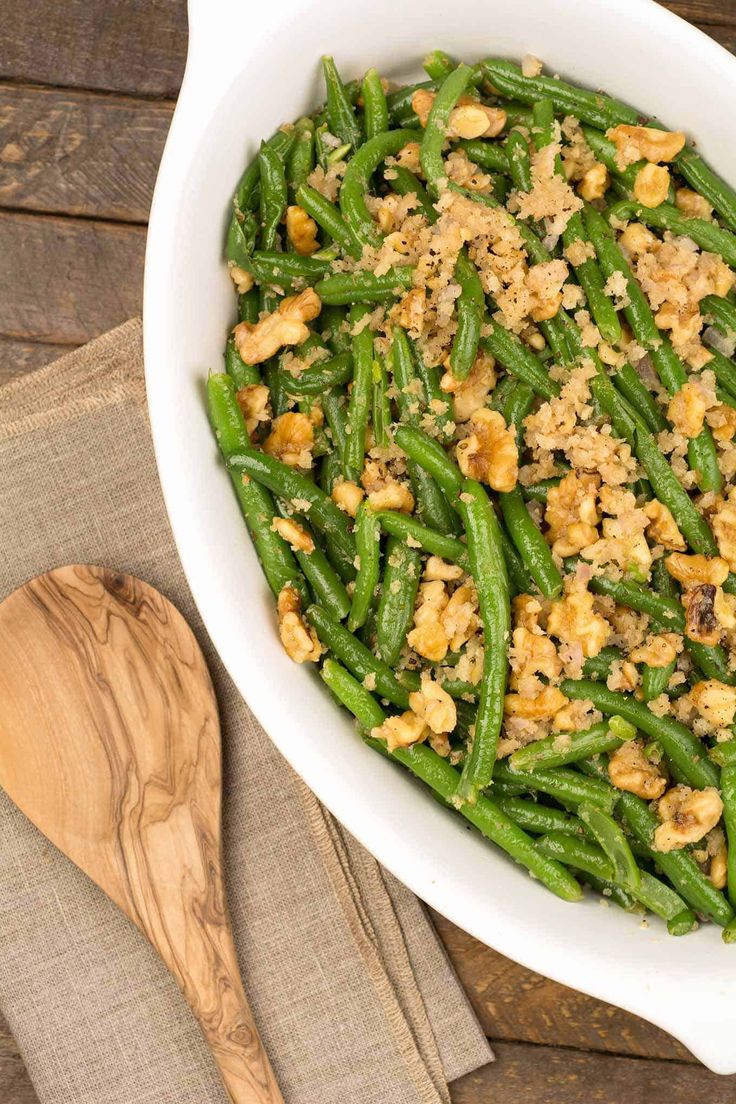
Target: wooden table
(87,90)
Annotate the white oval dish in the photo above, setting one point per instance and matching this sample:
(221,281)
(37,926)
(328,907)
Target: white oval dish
(250,68)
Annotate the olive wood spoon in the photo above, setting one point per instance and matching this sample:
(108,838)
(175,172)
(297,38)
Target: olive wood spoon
(110,744)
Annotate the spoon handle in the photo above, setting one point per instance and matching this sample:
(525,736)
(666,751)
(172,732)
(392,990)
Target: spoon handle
(218,1001)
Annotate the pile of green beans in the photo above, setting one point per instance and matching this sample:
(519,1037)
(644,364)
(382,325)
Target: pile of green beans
(381,409)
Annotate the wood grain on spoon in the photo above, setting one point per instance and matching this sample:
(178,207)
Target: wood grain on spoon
(110,744)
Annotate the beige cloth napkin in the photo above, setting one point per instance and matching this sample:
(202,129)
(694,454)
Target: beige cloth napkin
(356,1000)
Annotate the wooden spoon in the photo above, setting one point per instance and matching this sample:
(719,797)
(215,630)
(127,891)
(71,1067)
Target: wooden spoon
(110,744)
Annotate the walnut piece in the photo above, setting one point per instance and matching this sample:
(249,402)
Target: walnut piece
(470,119)
(695,570)
(594,184)
(541,707)
(687,409)
(253,401)
(692,204)
(470,394)
(651,185)
(662,528)
(572,513)
(687,815)
(434,705)
(701,621)
(298,538)
(243,280)
(657,651)
(573,621)
(428,637)
(724,528)
(714,701)
(299,639)
(489,454)
(301,230)
(291,439)
(259,341)
(348,496)
(436,568)
(630,770)
(636,143)
(401,730)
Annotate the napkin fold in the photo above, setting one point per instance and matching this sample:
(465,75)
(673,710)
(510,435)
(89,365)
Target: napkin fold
(355,998)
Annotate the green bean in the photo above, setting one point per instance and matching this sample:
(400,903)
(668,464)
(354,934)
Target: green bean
(488,571)
(612,841)
(289,484)
(428,453)
(242,374)
(328,217)
(334,411)
(438,65)
(352,694)
(363,286)
(611,892)
(706,234)
(611,259)
(340,114)
(256,504)
(367,543)
(516,408)
(335,329)
(667,611)
(411,531)
(248,187)
(360,396)
(518,161)
(702,178)
(322,376)
(721,313)
(285,269)
(566,786)
(539,819)
(517,359)
(629,383)
(249,305)
(375,106)
(728,794)
(357,658)
(400,111)
(381,416)
(502,392)
(324,581)
(430,153)
(592,107)
(241,238)
(682,749)
(487,154)
(330,471)
(712,661)
(605,151)
(655,680)
(486,816)
(300,161)
(436,400)
(725,372)
(470,310)
(274,195)
(599,666)
(679,866)
(404,182)
(519,578)
(356,181)
(401,574)
(592,282)
(562,748)
(580,853)
(533,548)
(724,754)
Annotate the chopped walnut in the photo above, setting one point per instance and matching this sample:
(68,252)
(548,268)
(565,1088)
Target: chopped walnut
(490,453)
(687,815)
(594,184)
(299,639)
(531,66)
(637,239)
(470,119)
(701,622)
(291,439)
(243,280)
(724,528)
(630,770)
(428,637)
(722,421)
(692,204)
(532,653)
(636,143)
(410,310)
(657,651)
(401,730)
(717,855)
(651,185)
(301,230)
(253,401)
(385,492)
(526,610)
(693,570)
(460,616)
(436,568)
(687,409)
(259,341)
(293,534)
(662,528)
(572,513)
(470,394)
(573,621)
(348,496)
(714,701)
(434,705)
(541,707)
(408,158)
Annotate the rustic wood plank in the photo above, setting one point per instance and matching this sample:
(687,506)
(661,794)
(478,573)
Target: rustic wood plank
(136,46)
(515,1004)
(721,12)
(15,1084)
(65,281)
(553,1075)
(17,357)
(78,153)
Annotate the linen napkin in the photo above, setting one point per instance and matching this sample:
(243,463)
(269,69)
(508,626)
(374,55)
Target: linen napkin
(355,998)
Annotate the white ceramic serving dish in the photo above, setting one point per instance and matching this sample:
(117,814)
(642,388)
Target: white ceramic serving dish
(252,66)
